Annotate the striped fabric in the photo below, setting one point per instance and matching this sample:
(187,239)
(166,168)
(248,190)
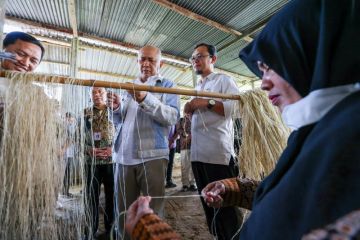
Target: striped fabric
(151,227)
(239,192)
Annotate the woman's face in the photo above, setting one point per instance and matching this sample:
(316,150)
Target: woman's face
(281,93)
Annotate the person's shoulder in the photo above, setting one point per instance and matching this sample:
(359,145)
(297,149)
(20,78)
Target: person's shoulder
(167,83)
(222,76)
(88,111)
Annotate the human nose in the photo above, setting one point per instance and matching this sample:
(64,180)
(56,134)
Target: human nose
(195,59)
(266,83)
(25,61)
(146,62)
(96,94)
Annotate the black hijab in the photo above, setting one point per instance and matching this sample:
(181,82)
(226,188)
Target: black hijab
(312,44)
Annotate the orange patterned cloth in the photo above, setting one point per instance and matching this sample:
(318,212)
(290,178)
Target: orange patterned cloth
(239,192)
(345,228)
(151,227)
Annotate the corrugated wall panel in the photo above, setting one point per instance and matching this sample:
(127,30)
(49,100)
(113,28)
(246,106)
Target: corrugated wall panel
(57,53)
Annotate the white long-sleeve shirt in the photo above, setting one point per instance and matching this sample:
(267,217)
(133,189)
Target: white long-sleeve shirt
(213,134)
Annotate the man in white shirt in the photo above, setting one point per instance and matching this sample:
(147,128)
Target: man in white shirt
(212,150)
(141,146)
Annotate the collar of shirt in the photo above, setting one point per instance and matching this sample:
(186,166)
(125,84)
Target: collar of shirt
(207,78)
(151,81)
(317,104)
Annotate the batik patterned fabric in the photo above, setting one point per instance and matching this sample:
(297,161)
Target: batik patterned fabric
(151,227)
(239,192)
(99,133)
(183,128)
(346,228)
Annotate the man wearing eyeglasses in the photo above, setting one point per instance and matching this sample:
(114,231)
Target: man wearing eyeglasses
(212,150)
(141,147)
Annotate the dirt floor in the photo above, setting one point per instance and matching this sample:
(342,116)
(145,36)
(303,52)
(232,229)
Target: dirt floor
(184,214)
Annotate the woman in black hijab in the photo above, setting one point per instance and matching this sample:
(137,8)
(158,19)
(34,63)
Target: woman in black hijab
(308,57)
(313,45)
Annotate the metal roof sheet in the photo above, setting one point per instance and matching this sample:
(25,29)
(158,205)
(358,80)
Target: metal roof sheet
(140,22)
(54,12)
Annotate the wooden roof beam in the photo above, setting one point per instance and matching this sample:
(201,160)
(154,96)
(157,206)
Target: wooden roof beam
(196,17)
(72,16)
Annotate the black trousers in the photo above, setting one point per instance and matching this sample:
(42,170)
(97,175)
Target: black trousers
(95,176)
(66,180)
(227,220)
(170,165)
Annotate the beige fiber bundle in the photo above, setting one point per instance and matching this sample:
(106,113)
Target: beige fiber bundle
(31,163)
(264,135)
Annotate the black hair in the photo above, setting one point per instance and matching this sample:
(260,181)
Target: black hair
(211,48)
(13,36)
(69,114)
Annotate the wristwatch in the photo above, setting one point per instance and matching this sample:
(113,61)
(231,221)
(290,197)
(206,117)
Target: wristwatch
(211,103)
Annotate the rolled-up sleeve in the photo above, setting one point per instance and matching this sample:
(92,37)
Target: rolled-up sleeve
(166,113)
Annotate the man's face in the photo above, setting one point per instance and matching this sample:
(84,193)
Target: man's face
(99,96)
(201,60)
(280,92)
(149,62)
(28,56)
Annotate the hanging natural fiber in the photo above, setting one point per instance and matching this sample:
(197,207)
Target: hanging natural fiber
(264,135)
(31,164)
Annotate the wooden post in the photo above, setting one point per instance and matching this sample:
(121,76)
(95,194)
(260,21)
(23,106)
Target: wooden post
(74,57)
(2,21)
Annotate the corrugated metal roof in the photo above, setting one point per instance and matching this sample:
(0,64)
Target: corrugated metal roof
(147,19)
(254,13)
(231,52)
(140,22)
(54,12)
(217,10)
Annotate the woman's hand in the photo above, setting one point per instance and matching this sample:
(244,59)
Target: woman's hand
(212,194)
(137,210)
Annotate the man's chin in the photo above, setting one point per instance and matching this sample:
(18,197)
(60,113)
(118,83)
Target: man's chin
(146,76)
(198,72)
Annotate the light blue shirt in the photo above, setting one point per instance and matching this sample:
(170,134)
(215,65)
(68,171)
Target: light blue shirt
(143,129)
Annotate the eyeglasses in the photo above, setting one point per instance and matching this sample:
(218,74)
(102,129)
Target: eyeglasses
(198,57)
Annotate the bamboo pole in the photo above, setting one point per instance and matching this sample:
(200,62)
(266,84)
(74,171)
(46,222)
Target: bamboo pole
(125,86)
